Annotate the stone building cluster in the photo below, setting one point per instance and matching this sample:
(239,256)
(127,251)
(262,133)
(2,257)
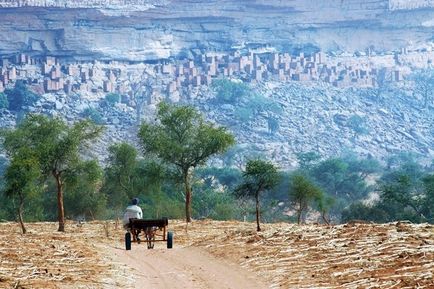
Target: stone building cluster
(256,67)
(50,75)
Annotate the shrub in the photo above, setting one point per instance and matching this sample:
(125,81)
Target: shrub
(229,91)
(20,96)
(4,103)
(93,115)
(112,98)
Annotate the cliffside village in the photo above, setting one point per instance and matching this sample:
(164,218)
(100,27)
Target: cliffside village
(48,75)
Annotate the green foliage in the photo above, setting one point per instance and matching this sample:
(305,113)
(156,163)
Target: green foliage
(55,145)
(93,114)
(307,159)
(82,195)
(253,104)
(343,180)
(217,178)
(424,85)
(340,180)
(21,178)
(212,197)
(213,204)
(360,211)
(405,193)
(127,176)
(428,198)
(20,96)
(4,103)
(400,199)
(259,176)
(357,124)
(302,194)
(228,91)
(112,98)
(273,125)
(182,139)
(324,204)
(120,175)
(22,174)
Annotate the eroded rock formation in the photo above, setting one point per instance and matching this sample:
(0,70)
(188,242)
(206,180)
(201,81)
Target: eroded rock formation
(151,29)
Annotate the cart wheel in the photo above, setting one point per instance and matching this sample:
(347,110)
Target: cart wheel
(169,240)
(128,241)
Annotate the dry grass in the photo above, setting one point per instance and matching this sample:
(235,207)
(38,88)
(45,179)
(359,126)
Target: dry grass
(45,258)
(396,255)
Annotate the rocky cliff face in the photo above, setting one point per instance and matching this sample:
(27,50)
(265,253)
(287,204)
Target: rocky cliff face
(152,31)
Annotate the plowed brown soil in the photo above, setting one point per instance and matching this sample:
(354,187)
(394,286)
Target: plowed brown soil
(395,255)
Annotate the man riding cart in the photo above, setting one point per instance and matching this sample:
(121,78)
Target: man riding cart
(134,224)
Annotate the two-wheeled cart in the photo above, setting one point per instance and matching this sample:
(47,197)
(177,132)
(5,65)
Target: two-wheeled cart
(153,231)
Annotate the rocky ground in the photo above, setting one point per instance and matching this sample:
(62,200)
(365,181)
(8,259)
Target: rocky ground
(319,118)
(315,117)
(395,255)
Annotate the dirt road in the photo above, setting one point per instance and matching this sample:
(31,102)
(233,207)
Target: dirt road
(184,267)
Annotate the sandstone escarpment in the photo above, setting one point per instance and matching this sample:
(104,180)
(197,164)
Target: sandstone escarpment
(149,29)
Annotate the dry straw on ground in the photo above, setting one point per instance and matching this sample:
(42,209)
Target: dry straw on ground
(45,258)
(395,255)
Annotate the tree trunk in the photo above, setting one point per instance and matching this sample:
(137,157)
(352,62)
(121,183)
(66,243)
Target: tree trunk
(258,228)
(324,217)
(187,197)
(299,217)
(138,113)
(20,214)
(60,209)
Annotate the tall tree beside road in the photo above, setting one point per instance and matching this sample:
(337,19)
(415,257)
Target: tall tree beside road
(55,145)
(259,176)
(183,139)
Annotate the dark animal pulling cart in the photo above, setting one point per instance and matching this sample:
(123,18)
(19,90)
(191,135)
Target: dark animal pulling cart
(153,231)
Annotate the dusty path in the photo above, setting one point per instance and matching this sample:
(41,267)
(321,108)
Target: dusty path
(180,268)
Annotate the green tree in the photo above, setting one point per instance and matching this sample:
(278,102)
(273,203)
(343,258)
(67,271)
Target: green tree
(424,85)
(128,176)
(360,211)
(341,179)
(229,91)
(357,124)
(4,103)
(56,145)
(254,105)
(428,183)
(226,177)
(141,91)
(82,194)
(402,199)
(22,177)
(307,159)
(214,204)
(182,138)
(303,193)
(273,125)
(112,98)
(324,204)
(93,114)
(20,96)
(120,175)
(259,176)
